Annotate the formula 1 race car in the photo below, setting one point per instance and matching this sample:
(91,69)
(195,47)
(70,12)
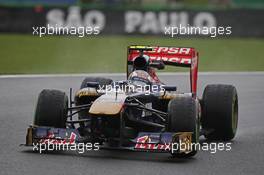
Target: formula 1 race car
(139,113)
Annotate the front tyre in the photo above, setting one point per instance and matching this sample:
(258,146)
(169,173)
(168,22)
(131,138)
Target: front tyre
(51,109)
(220,112)
(183,117)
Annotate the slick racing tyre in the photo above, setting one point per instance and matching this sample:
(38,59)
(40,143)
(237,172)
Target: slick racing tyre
(183,117)
(86,100)
(220,112)
(51,109)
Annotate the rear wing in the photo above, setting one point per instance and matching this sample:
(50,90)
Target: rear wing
(175,56)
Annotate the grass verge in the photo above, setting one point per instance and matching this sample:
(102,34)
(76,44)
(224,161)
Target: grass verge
(25,54)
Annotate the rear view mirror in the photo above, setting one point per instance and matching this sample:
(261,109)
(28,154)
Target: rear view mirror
(93,84)
(170,88)
(157,64)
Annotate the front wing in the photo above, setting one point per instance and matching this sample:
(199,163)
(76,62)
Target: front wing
(145,141)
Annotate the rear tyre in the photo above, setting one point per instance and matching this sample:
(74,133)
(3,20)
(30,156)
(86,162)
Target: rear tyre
(220,112)
(183,117)
(103,82)
(51,109)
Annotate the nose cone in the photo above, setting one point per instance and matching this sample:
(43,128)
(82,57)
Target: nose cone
(108,104)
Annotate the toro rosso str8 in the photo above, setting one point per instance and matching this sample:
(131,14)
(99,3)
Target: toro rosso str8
(139,113)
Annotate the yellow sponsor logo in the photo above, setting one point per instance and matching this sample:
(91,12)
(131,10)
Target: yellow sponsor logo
(140,47)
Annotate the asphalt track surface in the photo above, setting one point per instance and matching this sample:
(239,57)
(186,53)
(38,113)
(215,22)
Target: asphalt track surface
(18,97)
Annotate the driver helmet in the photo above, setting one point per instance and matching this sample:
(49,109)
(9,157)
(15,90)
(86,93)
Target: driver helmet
(140,77)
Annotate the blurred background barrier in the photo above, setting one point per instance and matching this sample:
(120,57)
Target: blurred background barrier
(133,16)
(243,22)
(156,4)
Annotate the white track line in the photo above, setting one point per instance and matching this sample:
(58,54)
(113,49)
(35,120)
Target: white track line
(122,74)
